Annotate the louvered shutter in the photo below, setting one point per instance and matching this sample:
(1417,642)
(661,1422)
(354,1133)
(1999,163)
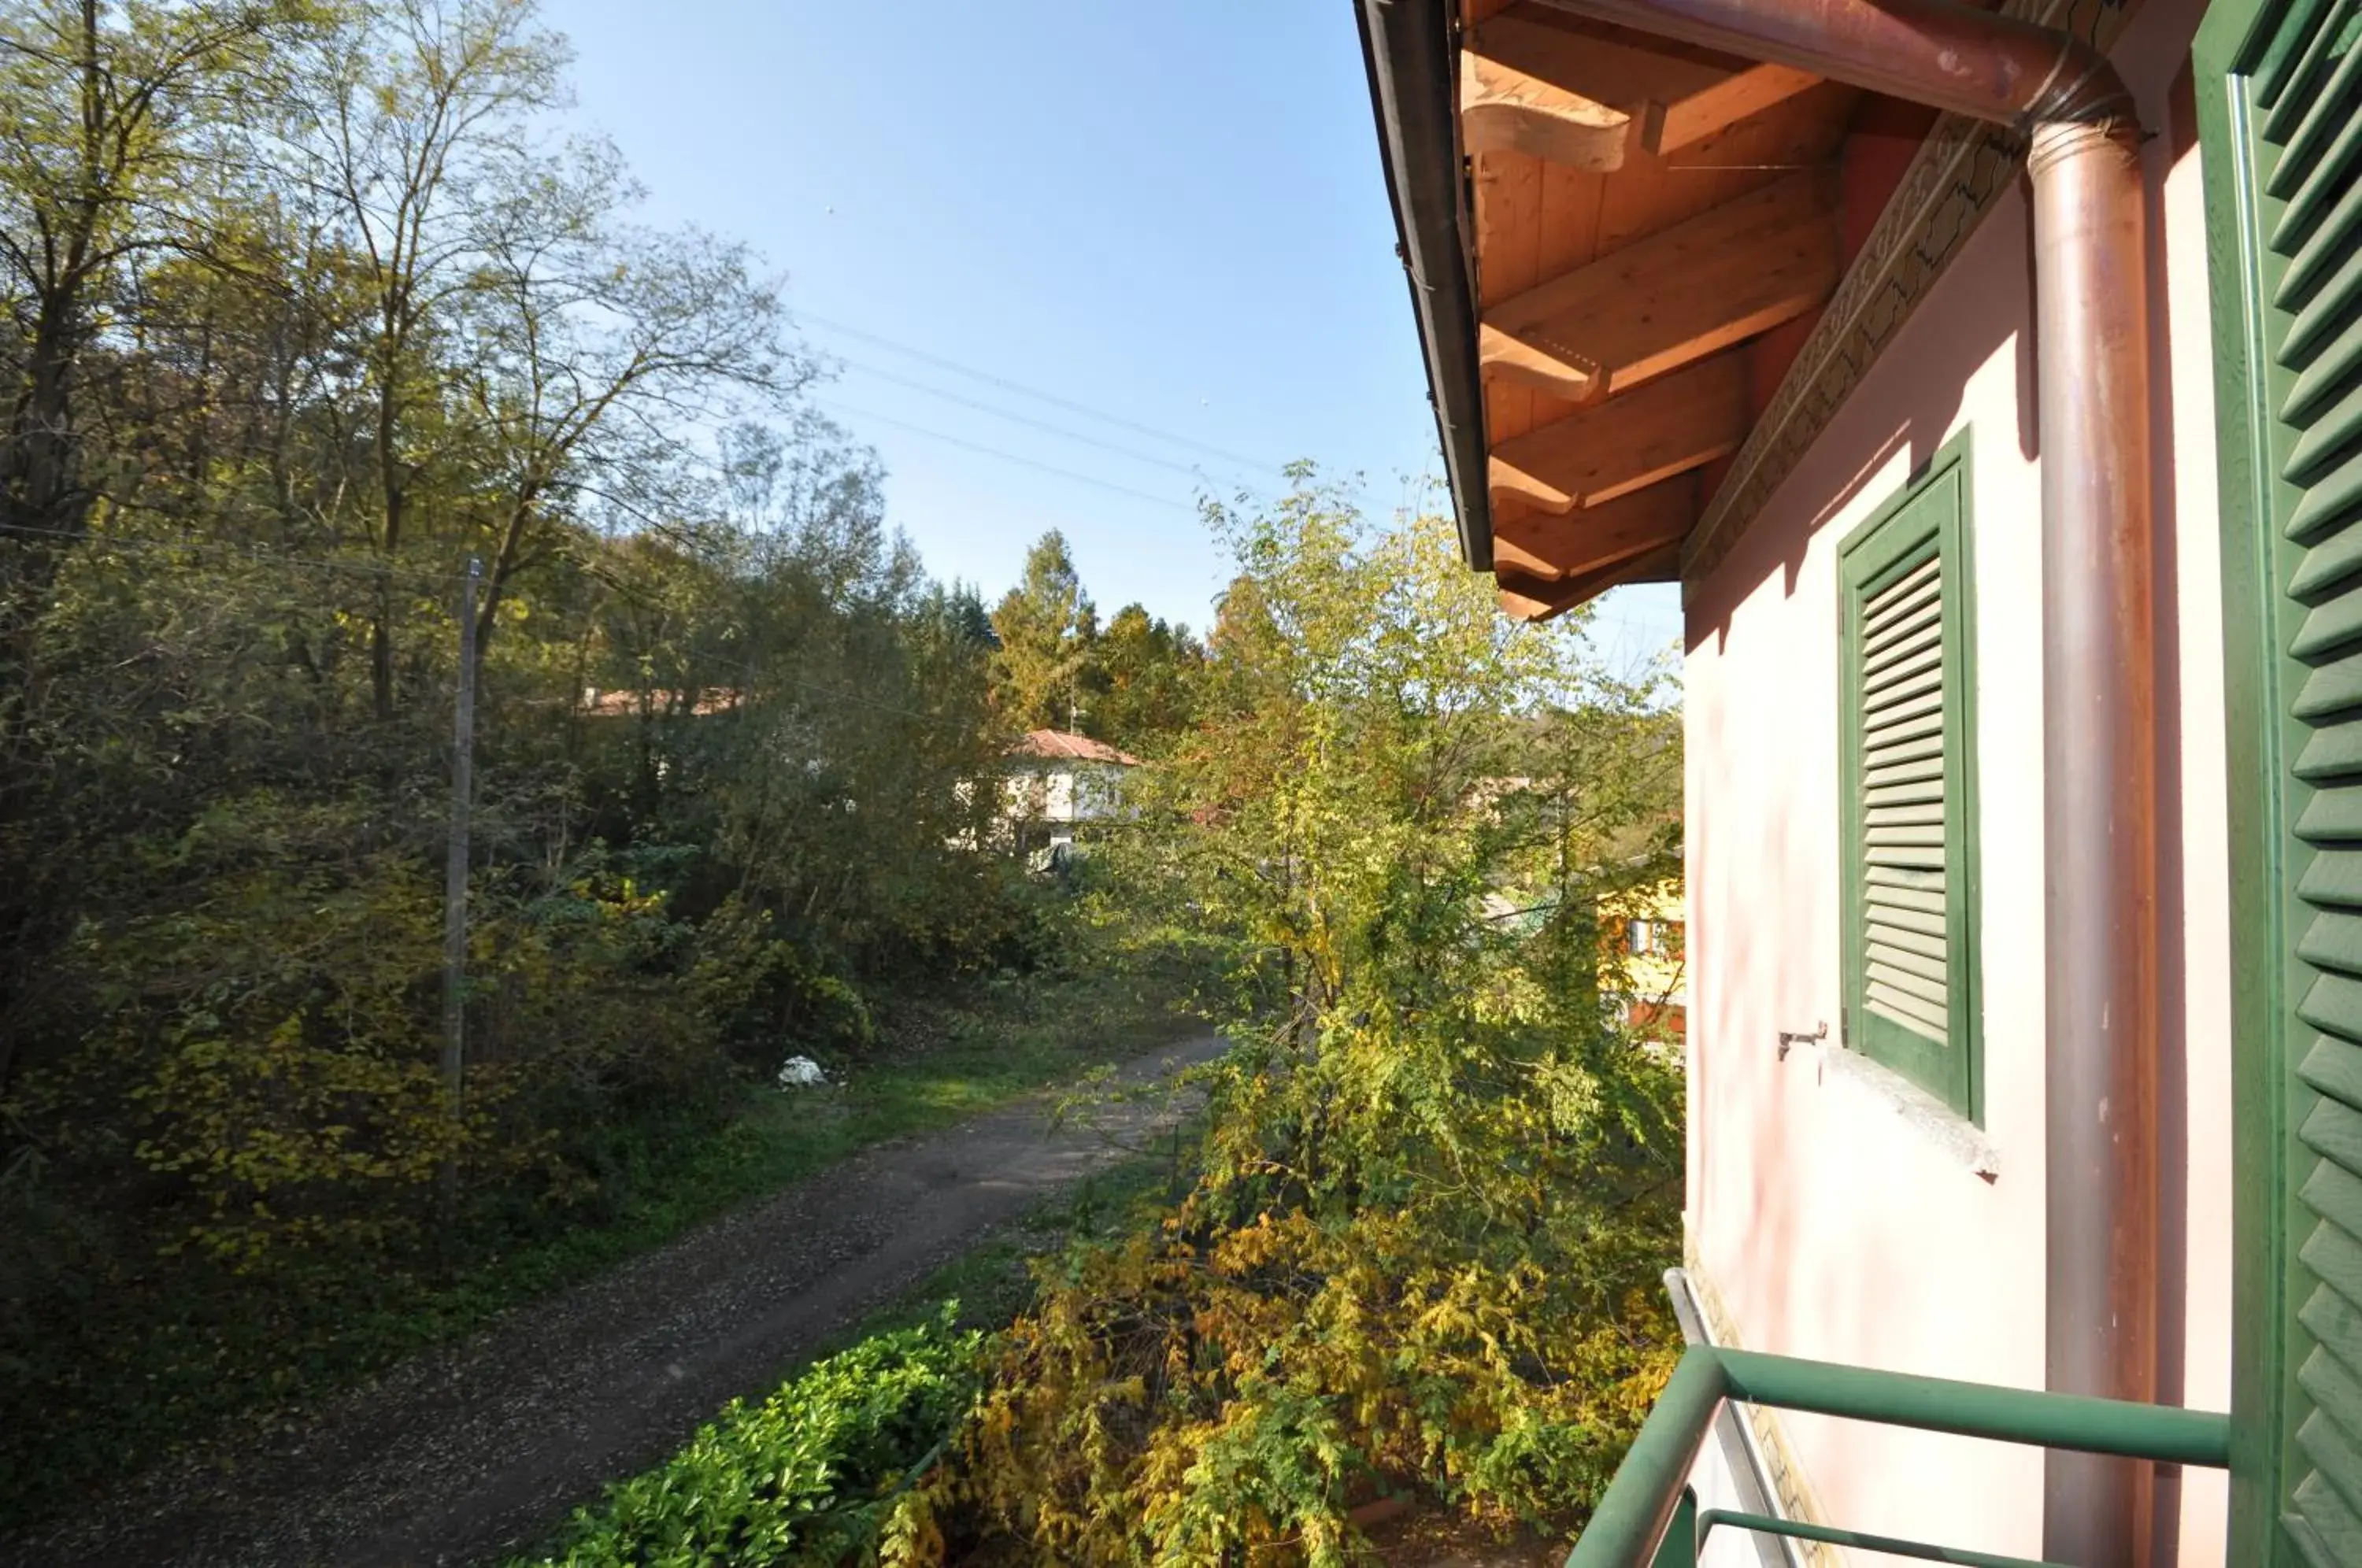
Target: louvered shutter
(1905,953)
(2285,163)
(1910,971)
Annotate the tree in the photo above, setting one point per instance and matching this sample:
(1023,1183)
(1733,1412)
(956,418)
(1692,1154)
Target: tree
(114,123)
(593,349)
(1047,627)
(1146,670)
(413,131)
(115,138)
(308,302)
(1437,1183)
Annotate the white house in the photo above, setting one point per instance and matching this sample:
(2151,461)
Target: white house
(1056,781)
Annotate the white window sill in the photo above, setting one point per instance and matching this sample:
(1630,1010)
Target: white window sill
(1883,1088)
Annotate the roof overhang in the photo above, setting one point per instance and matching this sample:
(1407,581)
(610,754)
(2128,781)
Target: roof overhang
(1646,274)
(1409,47)
(1595,223)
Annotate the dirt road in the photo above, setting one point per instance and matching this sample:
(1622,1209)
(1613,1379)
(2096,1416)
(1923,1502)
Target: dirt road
(464,1453)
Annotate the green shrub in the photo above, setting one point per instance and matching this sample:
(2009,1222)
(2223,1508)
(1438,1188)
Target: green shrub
(813,1475)
(767,1000)
(1437,1183)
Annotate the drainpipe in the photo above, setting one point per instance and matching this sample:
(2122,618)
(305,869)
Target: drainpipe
(2098,643)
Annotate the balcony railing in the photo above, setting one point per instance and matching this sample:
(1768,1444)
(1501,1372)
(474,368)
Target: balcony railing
(1649,1516)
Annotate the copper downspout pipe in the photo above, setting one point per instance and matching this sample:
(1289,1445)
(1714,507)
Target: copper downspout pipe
(2099,808)
(2100,821)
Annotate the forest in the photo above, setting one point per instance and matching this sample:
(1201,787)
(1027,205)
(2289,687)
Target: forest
(349,413)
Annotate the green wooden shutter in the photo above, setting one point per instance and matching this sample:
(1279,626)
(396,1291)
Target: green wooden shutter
(1907,696)
(2282,100)
(1905,956)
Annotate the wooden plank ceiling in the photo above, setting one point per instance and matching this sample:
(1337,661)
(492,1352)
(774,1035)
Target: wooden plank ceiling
(1643,211)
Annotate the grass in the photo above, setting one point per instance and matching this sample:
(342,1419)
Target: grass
(939,1067)
(146,1373)
(990,1285)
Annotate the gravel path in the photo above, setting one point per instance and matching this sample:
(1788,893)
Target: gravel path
(463,1454)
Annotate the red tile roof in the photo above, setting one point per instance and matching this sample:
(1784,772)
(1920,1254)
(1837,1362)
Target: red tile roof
(1060,744)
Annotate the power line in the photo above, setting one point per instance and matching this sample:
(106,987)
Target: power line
(1019,388)
(852,413)
(1670,629)
(1193,470)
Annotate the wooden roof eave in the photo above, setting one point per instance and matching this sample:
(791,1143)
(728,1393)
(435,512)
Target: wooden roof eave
(1409,48)
(1630,358)
(1525,598)
(1617,299)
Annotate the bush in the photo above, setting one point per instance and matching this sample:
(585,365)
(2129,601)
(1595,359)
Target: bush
(1474,1319)
(819,1472)
(1438,1182)
(765,999)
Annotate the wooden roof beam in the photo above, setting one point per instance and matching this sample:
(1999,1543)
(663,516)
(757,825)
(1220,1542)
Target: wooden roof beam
(1525,598)
(1679,94)
(1667,426)
(1503,108)
(1669,126)
(1551,548)
(1677,296)
(1510,483)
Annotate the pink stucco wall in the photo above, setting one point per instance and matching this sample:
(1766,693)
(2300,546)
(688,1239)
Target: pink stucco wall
(1829,1224)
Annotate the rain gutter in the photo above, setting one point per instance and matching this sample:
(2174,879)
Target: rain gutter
(1409,50)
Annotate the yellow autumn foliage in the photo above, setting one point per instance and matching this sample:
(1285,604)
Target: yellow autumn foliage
(1436,1184)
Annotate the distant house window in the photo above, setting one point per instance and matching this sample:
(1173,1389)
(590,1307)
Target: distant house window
(1908,786)
(1646,937)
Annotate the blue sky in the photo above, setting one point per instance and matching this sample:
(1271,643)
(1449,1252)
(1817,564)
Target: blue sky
(1168,215)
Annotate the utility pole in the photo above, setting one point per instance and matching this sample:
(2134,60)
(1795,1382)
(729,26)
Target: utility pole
(454,877)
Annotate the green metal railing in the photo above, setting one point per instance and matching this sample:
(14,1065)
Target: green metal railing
(1648,1516)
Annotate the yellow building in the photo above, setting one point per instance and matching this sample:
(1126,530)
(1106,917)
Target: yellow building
(1641,961)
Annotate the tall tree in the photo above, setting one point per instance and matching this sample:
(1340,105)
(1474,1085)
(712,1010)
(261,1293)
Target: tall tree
(1147,671)
(113,122)
(1047,627)
(114,144)
(417,130)
(1437,1185)
(593,349)
(307,301)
